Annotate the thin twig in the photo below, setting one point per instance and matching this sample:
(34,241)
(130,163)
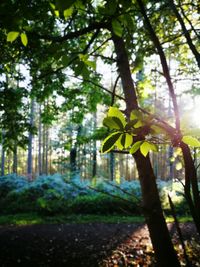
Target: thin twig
(122,190)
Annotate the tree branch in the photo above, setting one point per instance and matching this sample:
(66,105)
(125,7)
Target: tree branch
(163,60)
(186,33)
(71,35)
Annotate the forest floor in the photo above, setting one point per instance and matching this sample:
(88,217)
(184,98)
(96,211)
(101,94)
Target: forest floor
(88,245)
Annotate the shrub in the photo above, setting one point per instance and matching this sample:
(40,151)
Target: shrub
(11,182)
(55,194)
(102,204)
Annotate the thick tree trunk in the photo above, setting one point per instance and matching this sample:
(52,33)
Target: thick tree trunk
(163,247)
(190,171)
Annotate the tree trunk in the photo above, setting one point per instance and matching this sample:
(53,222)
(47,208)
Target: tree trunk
(190,171)
(15,159)
(40,143)
(2,154)
(191,182)
(73,161)
(163,247)
(94,152)
(43,148)
(30,143)
(112,166)
(46,150)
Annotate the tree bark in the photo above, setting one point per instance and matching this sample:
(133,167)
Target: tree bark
(15,159)
(2,154)
(30,144)
(47,151)
(112,166)
(151,202)
(94,149)
(40,143)
(190,171)
(191,182)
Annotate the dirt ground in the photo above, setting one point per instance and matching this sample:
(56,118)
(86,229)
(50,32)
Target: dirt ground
(78,245)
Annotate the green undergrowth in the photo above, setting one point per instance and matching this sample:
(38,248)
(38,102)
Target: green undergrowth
(34,218)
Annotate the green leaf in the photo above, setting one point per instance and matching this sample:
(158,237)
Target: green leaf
(62,5)
(79,5)
(130,124)
(192,141)
(146,147)
(109,142)
(117,28)
(138,124)
(156,129)
(115,112)
(91,64)
(135,147)
(128,140)
(65,60)
(179,166)
(110,7)
(154,147)
(52,6)
(57,13)
(113,123)
(84,58)
(12,36)
(68,12)
(128,21)
(124,141)
(119,143)
(24,39)
(136,114)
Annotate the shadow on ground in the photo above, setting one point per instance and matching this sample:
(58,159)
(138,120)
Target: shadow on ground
(61,245)
(77,245)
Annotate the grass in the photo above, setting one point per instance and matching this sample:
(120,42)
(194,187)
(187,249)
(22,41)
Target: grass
(34,218)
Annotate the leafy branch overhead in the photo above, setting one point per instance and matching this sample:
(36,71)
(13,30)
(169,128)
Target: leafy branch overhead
(12,36)
(135,133)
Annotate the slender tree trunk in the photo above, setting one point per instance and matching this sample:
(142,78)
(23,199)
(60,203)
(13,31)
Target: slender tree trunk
(40,143)
(171,165)
(191,182)
(2,154)
(112,166)
(73,153)
(163,247)
(15,159)
(43,148)
(94,159)
(94,152)
(30,144)
(46,150)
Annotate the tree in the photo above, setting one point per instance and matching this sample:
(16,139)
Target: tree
(88,29)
